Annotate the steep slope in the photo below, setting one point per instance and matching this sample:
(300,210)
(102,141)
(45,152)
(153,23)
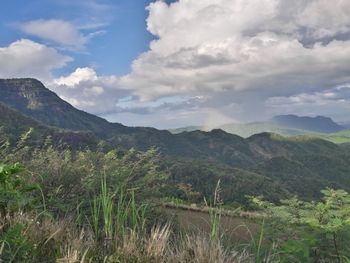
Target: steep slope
(14,125)
(30,97)
(302,164)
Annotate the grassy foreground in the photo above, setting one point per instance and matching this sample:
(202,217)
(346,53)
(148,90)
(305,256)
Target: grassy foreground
(114,229)
(105,207)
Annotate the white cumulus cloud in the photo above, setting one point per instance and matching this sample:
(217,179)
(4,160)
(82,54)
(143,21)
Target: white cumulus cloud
(243,51)
(87,90)
(26,58)
(249,59)
(78,76)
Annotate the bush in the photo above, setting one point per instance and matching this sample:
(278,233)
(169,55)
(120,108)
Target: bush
(311,231)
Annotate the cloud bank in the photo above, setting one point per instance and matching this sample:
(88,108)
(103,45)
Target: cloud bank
(243,51)
(238,60)
(245,58)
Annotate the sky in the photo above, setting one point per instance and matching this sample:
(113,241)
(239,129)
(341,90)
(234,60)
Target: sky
(177,63)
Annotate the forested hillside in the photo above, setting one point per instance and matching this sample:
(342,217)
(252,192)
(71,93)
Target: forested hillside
(260,163)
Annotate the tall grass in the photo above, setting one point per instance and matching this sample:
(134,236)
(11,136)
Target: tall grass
(95,207)
(215,212)
(114,214)
(64,241)
(115,232)
(258,246)
(106,199)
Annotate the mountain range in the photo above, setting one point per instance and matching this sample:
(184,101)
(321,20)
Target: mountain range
(265,163)
(287,125)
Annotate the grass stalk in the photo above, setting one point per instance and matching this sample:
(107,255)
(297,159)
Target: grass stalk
(106,199)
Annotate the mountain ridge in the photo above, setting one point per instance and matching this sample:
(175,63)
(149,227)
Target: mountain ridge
(263,155)
(32,98)
(13,125)
(320,124)
(246,130)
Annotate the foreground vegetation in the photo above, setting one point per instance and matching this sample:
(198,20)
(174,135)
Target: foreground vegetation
(265,164)
(59,205)
(104,208)
(113,224)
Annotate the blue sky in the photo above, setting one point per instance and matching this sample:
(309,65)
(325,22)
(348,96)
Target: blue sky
(123,22)
(184,62)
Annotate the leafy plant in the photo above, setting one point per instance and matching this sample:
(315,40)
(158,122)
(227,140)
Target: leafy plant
(16,246)
(315,230)
(12,188)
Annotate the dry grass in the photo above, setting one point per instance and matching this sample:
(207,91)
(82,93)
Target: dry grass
(200,249)
(63,242)
(159,247)
(152,247)
(158,241)
(49,239)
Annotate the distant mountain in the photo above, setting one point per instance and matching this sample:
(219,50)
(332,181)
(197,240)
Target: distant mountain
(249,129)
(287,125)
(315,124)
(205,155)
(188,129)
(346,125)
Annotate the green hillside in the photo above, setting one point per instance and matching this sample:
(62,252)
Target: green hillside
(338,137)
(110,180)
(30,97)
(15,127)
(248,129)
(263,163)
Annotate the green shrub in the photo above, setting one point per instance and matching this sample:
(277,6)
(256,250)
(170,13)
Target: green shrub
(13,189)
(15,244)
(311,231)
